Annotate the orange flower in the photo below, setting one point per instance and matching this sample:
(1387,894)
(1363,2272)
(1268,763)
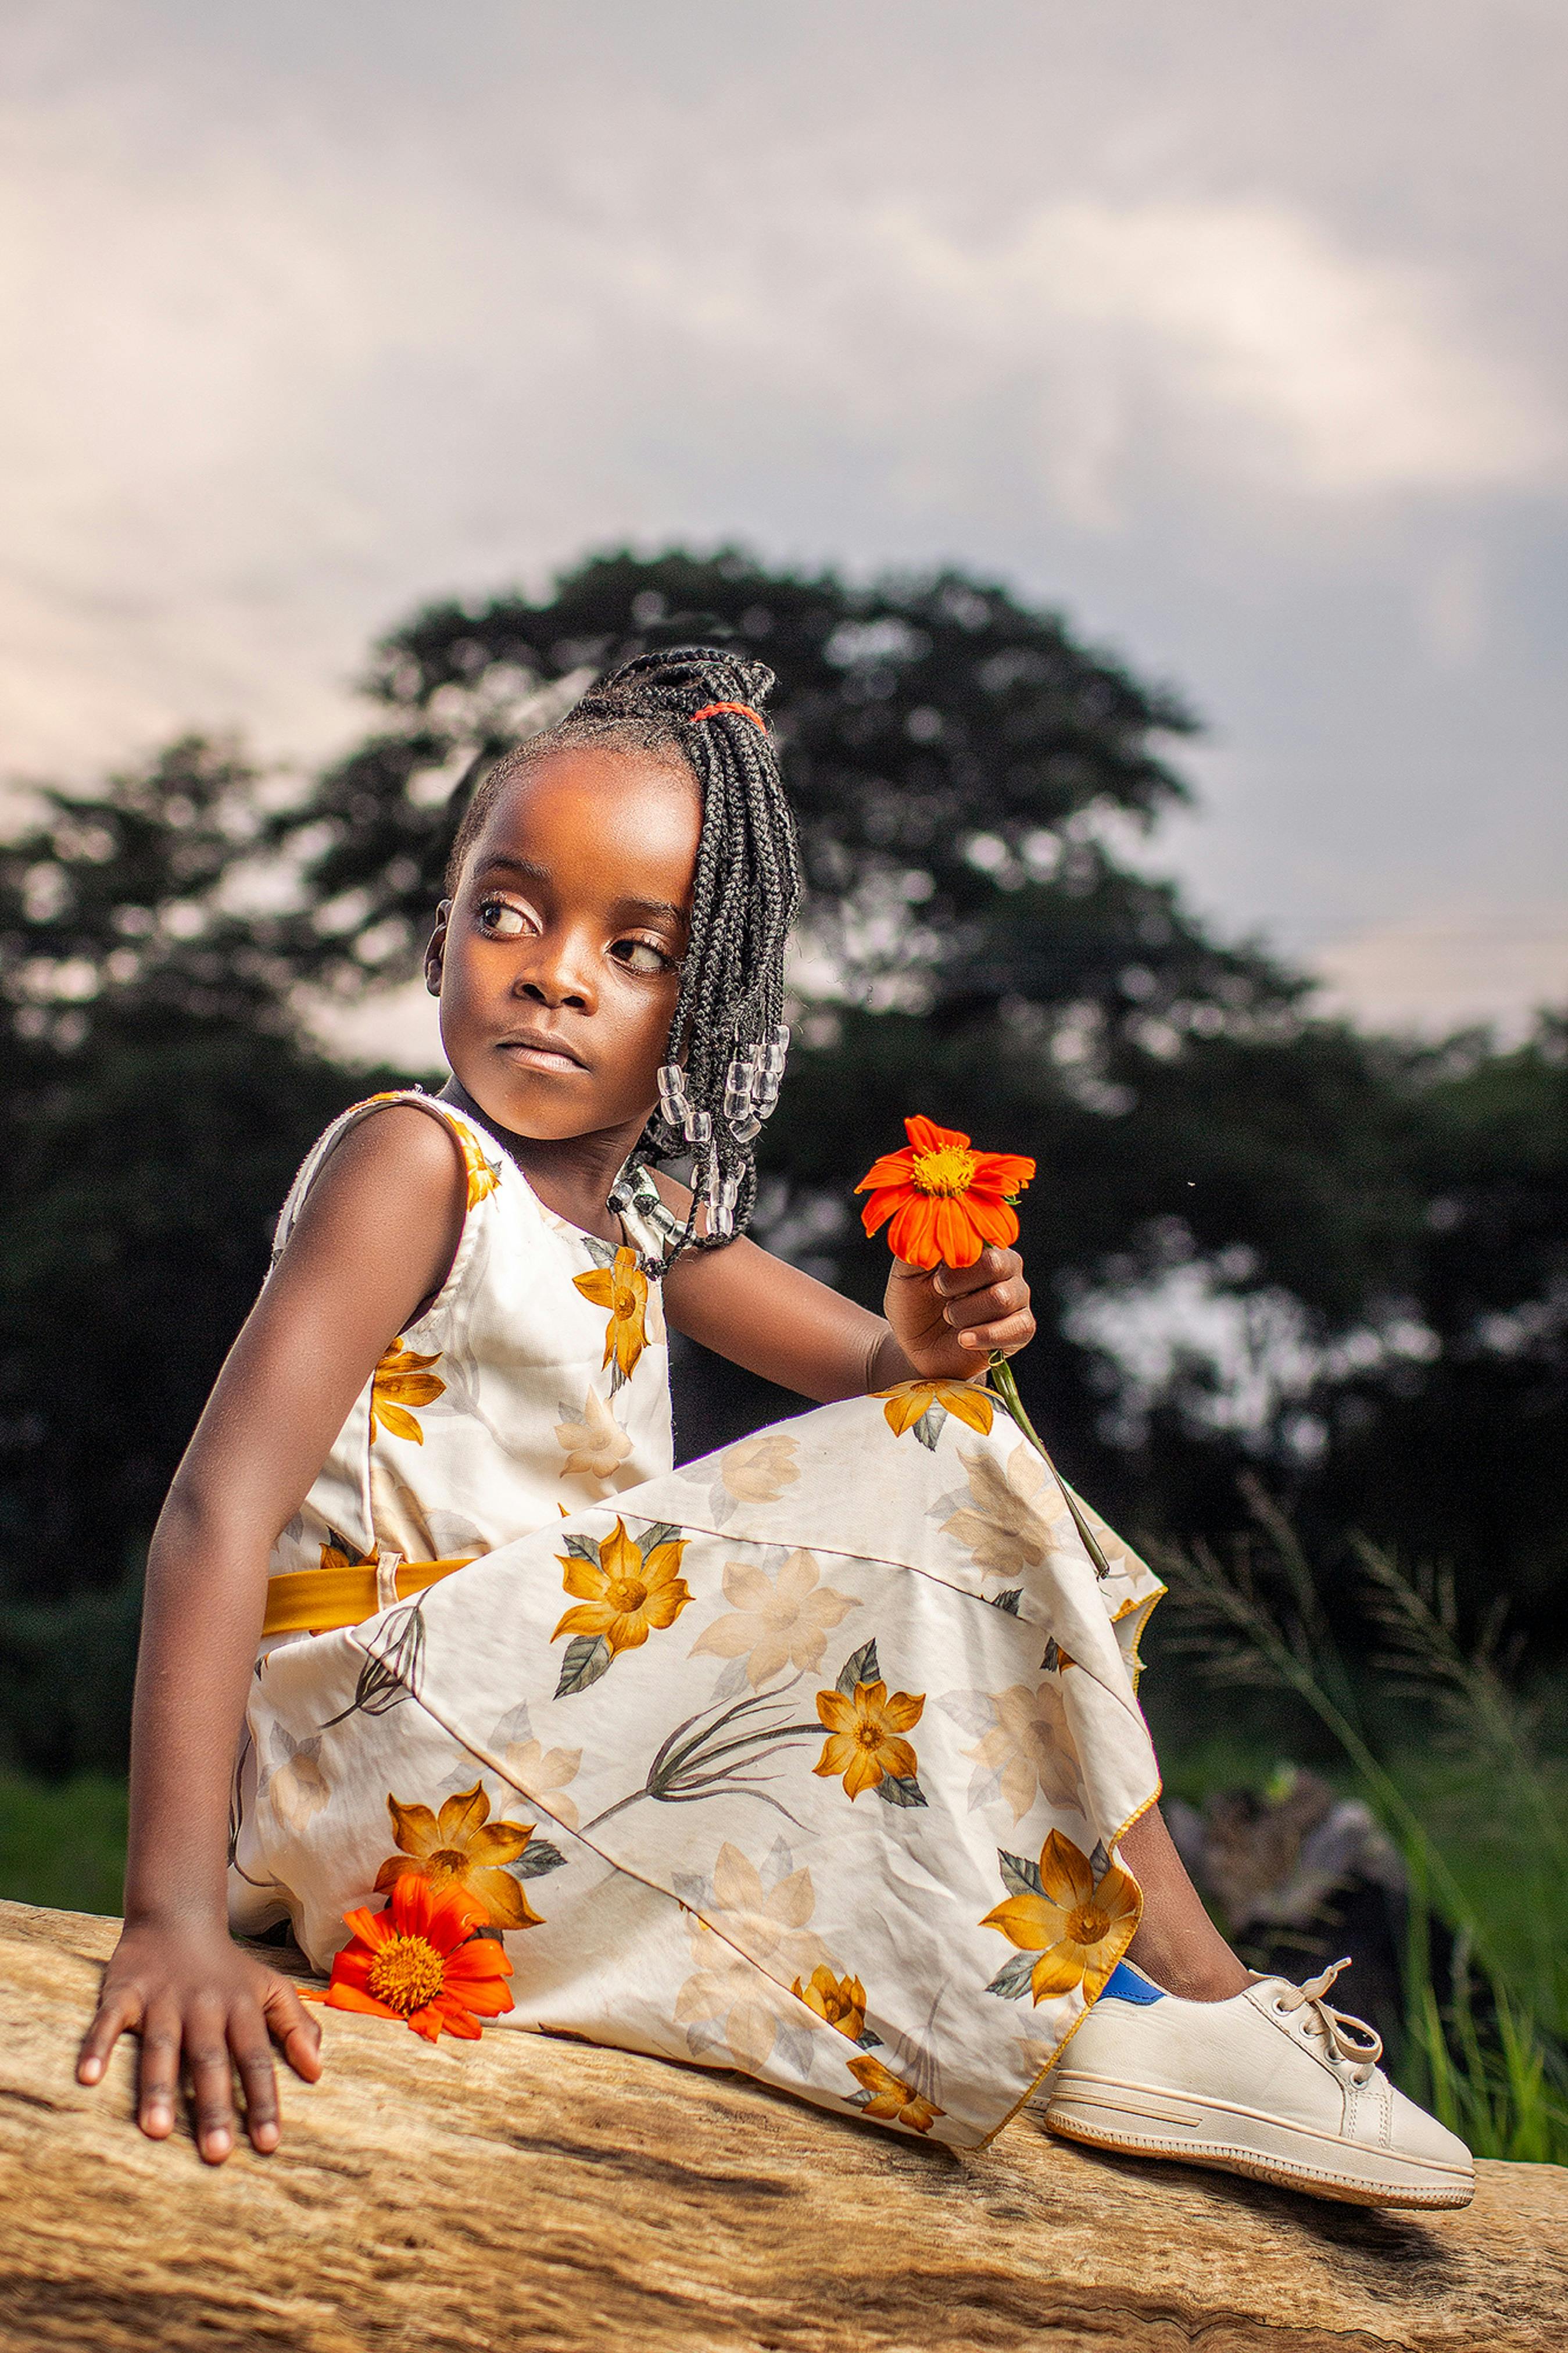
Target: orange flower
(838,2001)
(946,1200)
(863,1729)
(912,1400)
(1079,1926)
(399,1381)
(420,1961)
(462,1848)
(622,1287)
(892,2100)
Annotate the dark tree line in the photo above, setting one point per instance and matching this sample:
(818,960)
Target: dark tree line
(979,944)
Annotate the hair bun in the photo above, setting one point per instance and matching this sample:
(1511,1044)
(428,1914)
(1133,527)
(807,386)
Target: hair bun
(674,681)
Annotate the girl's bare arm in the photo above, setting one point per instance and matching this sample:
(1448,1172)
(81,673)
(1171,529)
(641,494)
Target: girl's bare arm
(374,1241)
(767,1315)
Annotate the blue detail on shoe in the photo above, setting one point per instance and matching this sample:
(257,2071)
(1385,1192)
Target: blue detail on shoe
(1127,1984)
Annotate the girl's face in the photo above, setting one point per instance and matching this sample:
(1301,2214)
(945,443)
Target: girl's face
(557,959)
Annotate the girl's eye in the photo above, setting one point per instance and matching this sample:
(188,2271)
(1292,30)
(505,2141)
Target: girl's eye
(498,920)
(641,956)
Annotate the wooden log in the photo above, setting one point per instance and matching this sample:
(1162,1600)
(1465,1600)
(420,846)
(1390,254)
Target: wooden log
(534,2193)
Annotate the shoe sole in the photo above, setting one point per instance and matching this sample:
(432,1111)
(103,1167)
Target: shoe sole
(1290,2157)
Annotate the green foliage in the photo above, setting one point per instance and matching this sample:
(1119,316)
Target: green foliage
(1491,2060)
(63,1843)
(980,944)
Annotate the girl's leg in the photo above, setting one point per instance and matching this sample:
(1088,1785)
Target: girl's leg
(1177,1944)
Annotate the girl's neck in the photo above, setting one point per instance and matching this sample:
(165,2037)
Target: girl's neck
(572,1175)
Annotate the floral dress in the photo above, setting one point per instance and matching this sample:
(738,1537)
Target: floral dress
(809,1759)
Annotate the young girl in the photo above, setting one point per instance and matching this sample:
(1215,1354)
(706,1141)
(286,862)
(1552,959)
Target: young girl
(818,1758)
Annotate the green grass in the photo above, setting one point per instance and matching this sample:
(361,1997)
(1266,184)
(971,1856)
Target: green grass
(1475,1804)
(62,1844)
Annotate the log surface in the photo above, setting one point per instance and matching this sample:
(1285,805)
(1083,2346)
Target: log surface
(528,2193)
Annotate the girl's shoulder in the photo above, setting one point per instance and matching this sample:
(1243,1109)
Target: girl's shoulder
(477,1157)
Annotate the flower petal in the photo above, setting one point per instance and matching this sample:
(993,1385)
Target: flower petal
(955,1235)
(1064,1868)
(462,1814)
(1031,1922)
(904,1709)
(912,1234)
(926,1137)
(339,1996)
(1059,1970)
(413,1827)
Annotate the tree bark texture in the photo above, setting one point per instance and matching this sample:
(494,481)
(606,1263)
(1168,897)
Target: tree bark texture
(534,2193)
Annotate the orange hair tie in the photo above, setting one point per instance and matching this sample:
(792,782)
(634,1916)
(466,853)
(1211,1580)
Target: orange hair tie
(711,711)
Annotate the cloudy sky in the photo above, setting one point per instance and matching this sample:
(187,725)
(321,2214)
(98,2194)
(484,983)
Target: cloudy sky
(1234,327)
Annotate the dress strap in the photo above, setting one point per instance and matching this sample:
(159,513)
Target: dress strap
(483,1174)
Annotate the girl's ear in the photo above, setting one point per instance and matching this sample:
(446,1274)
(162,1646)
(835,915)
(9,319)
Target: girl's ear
(434,954)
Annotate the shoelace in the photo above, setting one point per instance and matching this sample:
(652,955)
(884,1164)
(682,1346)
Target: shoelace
(1350,2041)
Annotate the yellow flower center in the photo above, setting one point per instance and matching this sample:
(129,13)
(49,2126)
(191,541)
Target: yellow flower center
(626,1596)
(407,1973)
(1086,1926)
(867,1734)
(444,1865)
(946,1171)
(626,1307)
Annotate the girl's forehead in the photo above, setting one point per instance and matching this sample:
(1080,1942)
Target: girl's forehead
(596,812)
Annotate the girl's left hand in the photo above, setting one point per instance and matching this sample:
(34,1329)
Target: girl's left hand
(949,1319)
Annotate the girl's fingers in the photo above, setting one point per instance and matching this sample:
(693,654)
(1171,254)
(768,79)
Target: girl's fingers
(297,2035)
(115,2013)
(992,1265)
(993,1304)
(211,2063)
(252,2051)
(160,2071)
(1014,1332)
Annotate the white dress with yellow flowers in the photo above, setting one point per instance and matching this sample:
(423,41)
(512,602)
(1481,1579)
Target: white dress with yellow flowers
(809,1759)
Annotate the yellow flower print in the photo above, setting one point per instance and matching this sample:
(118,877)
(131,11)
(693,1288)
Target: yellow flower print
(483,1175)
(773,1624)
(402,1379)
(840,2001)
(593,1444)
(622,1287)
(624,1594)
(923,1406)
(1080,1926)
(760,1469)
(461,1847)
(1011,1520)
(863,1742)
(892,2101)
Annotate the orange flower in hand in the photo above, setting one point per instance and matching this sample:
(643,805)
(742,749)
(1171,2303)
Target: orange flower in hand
(420,1961)
(946,1200)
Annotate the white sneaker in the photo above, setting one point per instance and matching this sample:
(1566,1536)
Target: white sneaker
(1272,2083)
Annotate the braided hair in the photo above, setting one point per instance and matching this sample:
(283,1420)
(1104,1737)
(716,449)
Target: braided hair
(698,708)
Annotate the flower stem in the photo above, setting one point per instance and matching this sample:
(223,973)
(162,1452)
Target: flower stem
(1006,1388)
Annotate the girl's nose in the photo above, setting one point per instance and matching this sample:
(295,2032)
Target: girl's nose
(558,978)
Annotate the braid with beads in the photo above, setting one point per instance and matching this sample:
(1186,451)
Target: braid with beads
(702,706)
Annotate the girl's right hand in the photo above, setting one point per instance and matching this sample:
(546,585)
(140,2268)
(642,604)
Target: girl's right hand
(200,2004)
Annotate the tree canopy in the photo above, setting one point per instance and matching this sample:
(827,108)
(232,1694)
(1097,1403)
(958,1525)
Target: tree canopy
(1377,1226)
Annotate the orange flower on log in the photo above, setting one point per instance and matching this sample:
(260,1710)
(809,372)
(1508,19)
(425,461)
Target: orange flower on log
(945,1199)
(419,1961)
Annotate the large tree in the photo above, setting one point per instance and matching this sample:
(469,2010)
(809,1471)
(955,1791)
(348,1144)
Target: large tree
(980,943)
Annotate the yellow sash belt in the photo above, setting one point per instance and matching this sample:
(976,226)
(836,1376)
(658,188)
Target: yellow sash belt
(316,1600)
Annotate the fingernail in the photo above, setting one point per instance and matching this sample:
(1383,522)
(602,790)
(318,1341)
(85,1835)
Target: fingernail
(215,2143)
(90,2071)
(265,2137)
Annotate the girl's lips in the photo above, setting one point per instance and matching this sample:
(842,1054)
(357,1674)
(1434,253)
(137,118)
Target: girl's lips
(538,1054)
